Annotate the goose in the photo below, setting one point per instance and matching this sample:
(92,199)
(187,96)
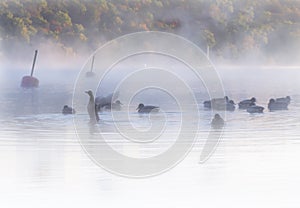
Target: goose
(147,109)
(92,107)
(68,110)
(217,122)
(247,103)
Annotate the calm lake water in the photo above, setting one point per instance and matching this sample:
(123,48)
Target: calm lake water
(256,163)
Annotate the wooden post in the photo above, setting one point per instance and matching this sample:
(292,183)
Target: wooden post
(92,63)
(33,64)
(207,51)
(91,73)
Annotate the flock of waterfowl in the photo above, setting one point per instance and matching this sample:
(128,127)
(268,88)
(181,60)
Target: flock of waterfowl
(248,105)
(98,104)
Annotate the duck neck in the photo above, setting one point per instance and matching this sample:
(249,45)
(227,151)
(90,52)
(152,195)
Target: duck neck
(92,98)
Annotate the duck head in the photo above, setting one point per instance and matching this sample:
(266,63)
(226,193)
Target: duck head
(253,99)
(217,116)
(232,102)
(119,102)
(141,105)
(89,92)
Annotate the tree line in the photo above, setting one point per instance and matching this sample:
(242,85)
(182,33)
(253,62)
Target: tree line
(231,28)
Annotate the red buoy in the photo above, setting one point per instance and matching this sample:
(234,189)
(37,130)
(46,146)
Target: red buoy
(30,81)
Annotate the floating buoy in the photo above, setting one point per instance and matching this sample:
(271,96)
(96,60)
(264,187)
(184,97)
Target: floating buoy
(30,81)
(91,73)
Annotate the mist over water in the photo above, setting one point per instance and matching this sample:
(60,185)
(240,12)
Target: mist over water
(43,162)
(40,149)
(39,146)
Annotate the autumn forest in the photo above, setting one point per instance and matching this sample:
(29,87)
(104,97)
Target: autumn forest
(233,29)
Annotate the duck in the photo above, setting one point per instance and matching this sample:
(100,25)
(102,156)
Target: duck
(255,109)
(207,104)
(68,110)
(114,106)
(286,99)
(227,105)
(274,105)
(247,103)
(230,106)
(217,122)
(147,108)
(215,101)
(103,102)
(92,108)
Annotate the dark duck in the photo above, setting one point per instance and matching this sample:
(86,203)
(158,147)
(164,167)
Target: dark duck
(147,108)
(247,103)
(217,122)
(68,110)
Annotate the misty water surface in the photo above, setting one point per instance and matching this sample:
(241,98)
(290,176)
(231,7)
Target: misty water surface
(256,162)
